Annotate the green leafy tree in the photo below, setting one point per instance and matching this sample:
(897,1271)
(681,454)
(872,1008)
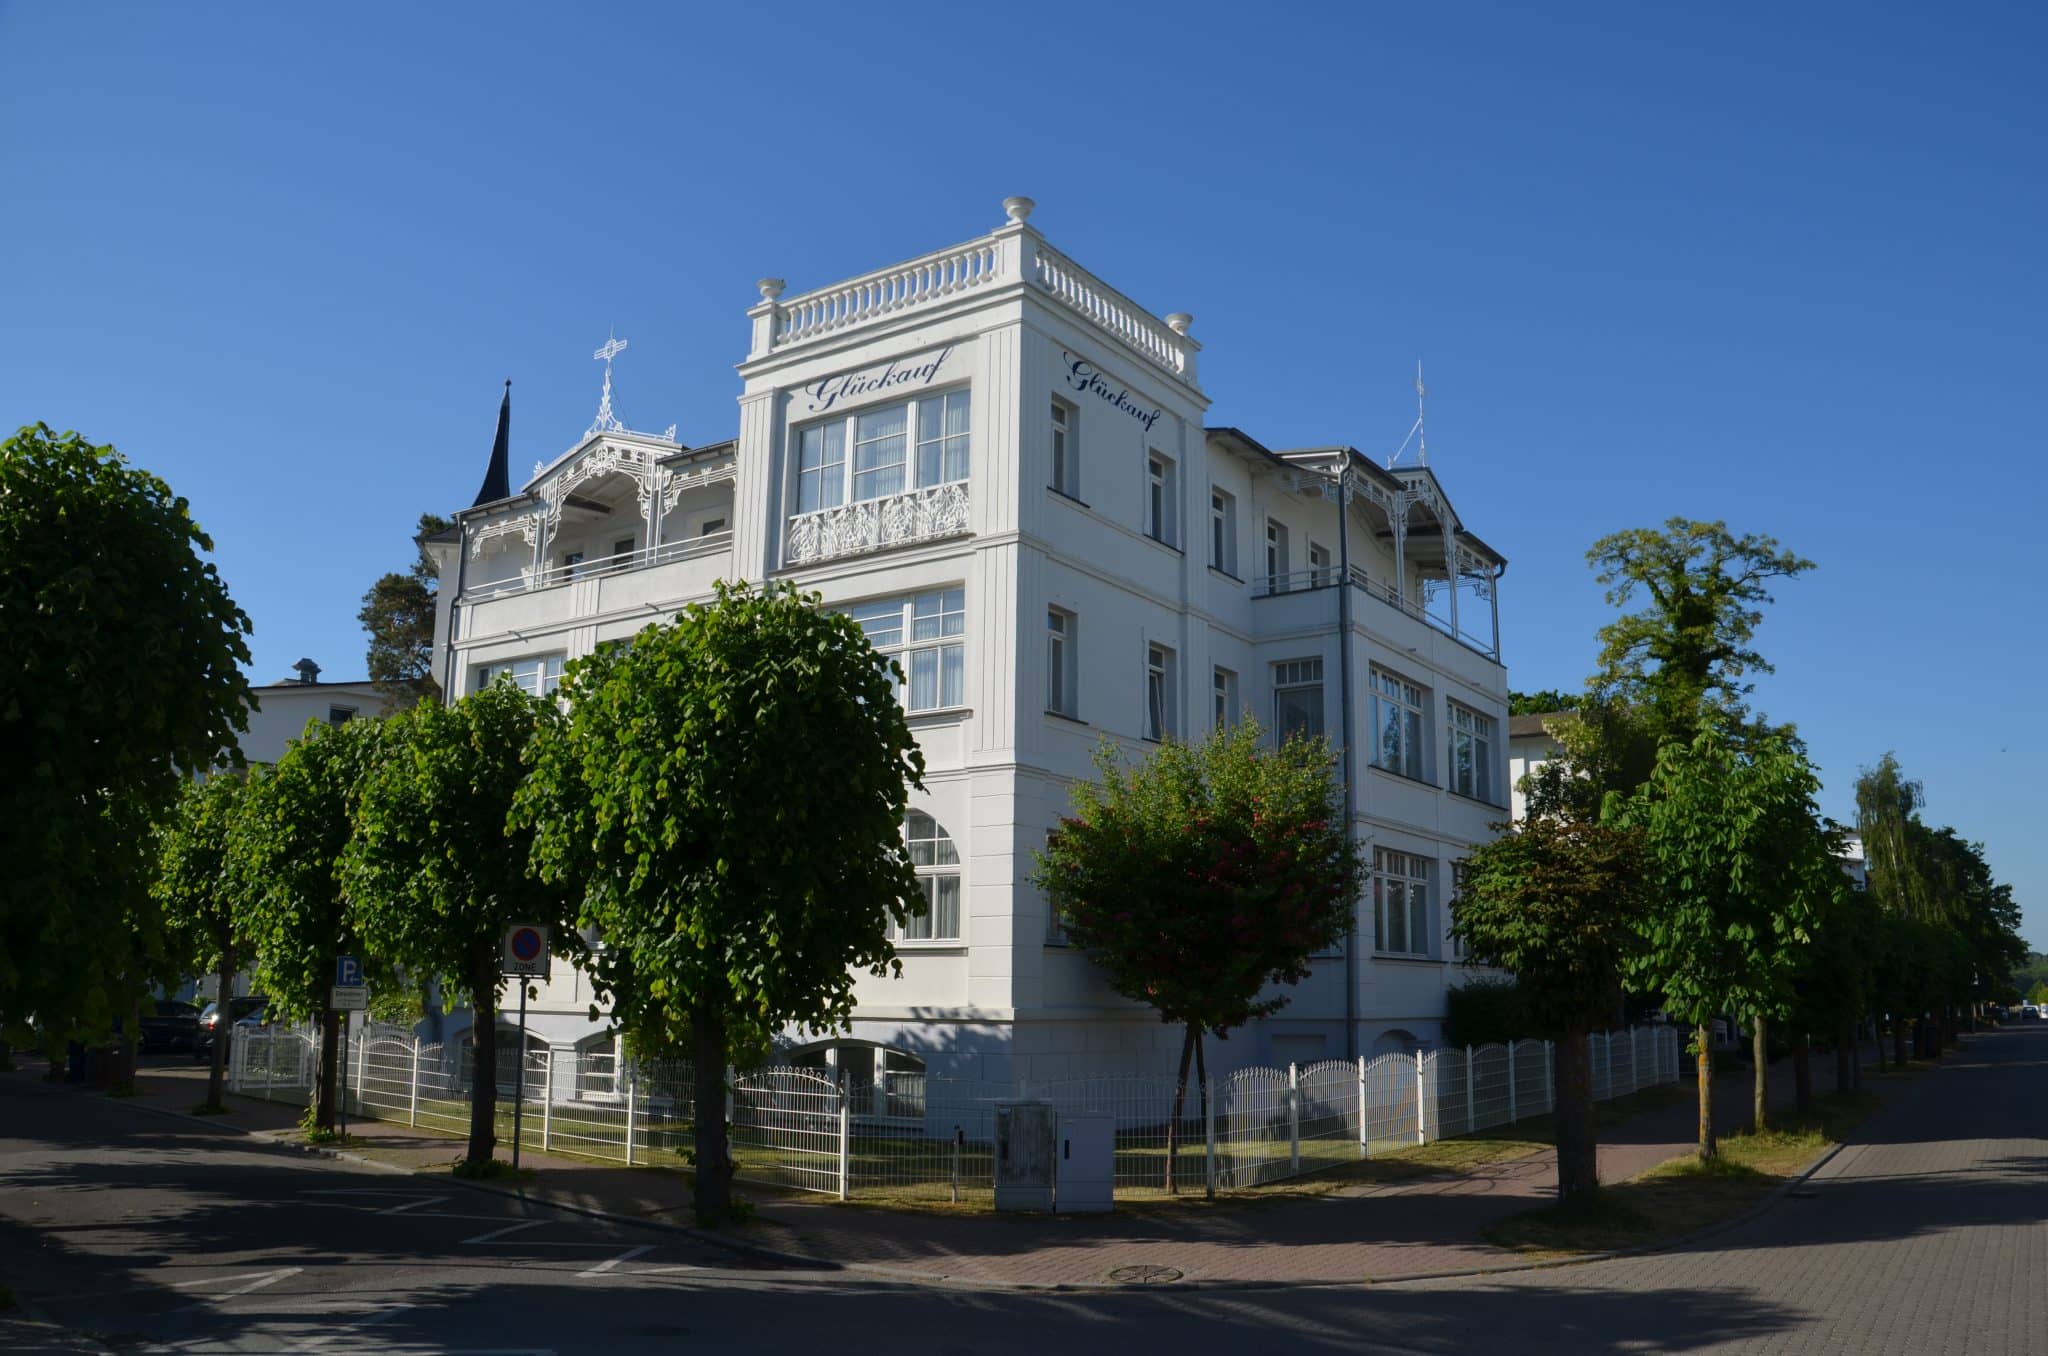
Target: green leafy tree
(1730,860)
(286,849)
(398,614)
(435,874)
(1836,981)
(1683,658)
(1541,703)
(1561,904)
(202,899)
(121,677)
(728,792)
(1203,877)
(1887,813)
(1607,745)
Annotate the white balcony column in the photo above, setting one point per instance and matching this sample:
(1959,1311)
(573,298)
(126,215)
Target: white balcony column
(1493,602)
(1398,520)
(766,317)
(1451,569)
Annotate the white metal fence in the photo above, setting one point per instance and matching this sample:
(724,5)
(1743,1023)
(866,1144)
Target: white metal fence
(909,1134)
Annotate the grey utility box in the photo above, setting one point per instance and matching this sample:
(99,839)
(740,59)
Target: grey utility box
(1087,1163)
(1024,1156)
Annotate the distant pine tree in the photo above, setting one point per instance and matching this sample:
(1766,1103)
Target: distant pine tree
(398,614)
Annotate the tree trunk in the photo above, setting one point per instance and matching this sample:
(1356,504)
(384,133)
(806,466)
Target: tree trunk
(1578,1152)
(1760,1053)
(1703,1064)
(330,1074)
(131,1045)
(714,1156)
(1845,1055)
(1802,1073)
(1877,1029)
(483,1044)
(1901,1034)
(1180,1095)
(216,1075)
(1202,1077)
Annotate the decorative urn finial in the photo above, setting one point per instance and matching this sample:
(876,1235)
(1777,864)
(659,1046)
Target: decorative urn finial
(1179,321)
(1018,209)
(771,288)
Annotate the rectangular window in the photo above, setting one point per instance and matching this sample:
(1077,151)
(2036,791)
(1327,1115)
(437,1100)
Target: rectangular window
(1471,765)
(1059,654)
(1396,724)
(1066,464)
(1161,492)
(1400,903)
(1276,557)
(340,715)
(537,677)
(934,427)
(1227,708)
(821,467)
(1159,713)
(923,634)
(1320,573)
(711,526)
(623,546)
(1223,531)
(1298,698)
(937,863)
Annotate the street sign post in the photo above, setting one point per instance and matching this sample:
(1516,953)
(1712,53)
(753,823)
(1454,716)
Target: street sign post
(525,957)
(342,999)
(350,993)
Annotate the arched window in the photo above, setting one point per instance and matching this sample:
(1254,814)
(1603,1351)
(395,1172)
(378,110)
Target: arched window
(938,871)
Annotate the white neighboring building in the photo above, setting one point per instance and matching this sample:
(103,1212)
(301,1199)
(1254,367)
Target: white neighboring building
(1530,746)
(281,710)
(1002,467)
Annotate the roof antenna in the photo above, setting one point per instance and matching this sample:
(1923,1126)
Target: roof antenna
(1416,433)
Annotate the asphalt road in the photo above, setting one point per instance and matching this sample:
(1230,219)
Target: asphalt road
(138,1231)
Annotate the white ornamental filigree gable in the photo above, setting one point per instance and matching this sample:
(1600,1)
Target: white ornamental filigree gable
(526,526)
(928,514)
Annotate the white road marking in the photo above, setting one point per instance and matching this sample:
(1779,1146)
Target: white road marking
(257,1283)
(602,1267)
(496,1234)
(413,1205)
(664,1271)
(369,1321)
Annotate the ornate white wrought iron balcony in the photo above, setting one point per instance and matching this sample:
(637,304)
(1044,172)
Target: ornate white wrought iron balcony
(928,514)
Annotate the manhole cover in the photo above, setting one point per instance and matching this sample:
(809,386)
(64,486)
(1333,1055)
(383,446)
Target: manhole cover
(1145,1275)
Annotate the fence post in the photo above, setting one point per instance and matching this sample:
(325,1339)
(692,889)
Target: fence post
(632,1095)
(1293,1117)
(1635,1058)
(362,1066)
(1364,1149)
(412,1101)
(1471,1106)
(1512,1116)
(845,1137)
(1550,1076)
(1209,1137)
(1421,1101)
(547,1104)
(269,1063)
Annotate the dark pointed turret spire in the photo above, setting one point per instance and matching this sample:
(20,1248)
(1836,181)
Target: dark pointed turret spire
(498,478)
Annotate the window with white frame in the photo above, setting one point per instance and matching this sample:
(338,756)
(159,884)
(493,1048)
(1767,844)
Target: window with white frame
(1471,762)
(1320,573)
(1276,556)
(1162,493)
(1297,698)
(1159,684)
(1227,707)
(1400,903)
(1066,452)
(875,453)
(1396,724)
(1060,640)
(537,677)
(938,873)
(1223,531)
(925,634)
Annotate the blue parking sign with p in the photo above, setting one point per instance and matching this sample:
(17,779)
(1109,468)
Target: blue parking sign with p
(348,972)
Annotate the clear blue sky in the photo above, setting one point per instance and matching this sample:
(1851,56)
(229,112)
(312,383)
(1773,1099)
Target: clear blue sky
(1779,266)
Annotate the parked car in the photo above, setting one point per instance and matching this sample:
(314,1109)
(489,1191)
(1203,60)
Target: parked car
(249,1005)
(170,1026)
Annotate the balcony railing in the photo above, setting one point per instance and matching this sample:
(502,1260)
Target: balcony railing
(711,544)
(1385,590)
(921,515)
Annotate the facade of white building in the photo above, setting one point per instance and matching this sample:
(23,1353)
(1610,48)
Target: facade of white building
(1003,469)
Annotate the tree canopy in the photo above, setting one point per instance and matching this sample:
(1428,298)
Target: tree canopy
(398,614)
(121,676)
(1204,876)
(205,918)
(728,792)
(435,873)
(1683,657)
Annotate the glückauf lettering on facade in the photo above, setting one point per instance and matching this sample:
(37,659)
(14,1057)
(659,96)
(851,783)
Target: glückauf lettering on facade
(829,392)
(1083,375)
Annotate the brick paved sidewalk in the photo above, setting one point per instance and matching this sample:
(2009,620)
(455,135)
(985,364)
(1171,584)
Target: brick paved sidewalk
(1356,1233)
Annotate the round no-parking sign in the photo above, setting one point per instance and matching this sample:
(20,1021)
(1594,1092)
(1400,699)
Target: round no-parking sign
(526,950)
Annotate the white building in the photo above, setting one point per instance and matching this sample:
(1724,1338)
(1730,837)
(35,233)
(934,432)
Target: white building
(281,710)
(1530,745)
(1003,468)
